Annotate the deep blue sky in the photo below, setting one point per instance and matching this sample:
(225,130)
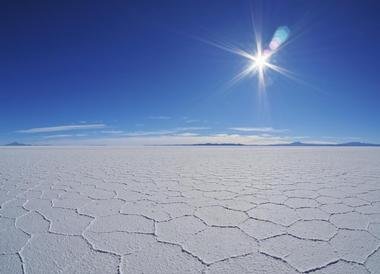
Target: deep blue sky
(128,70)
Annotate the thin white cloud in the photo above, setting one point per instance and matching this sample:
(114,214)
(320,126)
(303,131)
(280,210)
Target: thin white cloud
(189,121)
(62,128)
(150,133)
(55,136)
(191,128)
(259,129)
(187,134)
(301,137)
(320,142)
(164,132)
(58,136)
(112,131)
(179,138)
(347,137)
(159,117)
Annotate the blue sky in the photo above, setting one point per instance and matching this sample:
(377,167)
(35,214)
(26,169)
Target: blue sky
(140,72)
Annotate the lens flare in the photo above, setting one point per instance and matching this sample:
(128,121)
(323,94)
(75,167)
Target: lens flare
(259,58)
(279,37)
(260,61)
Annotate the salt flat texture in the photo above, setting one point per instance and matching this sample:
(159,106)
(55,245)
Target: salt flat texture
(189,210)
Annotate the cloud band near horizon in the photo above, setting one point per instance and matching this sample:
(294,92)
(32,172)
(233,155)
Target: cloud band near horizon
(62,128)
(259,129)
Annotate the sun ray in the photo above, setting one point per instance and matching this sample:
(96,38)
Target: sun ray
(259,57)
(259,61)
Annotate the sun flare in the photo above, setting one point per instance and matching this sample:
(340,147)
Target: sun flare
(260,61)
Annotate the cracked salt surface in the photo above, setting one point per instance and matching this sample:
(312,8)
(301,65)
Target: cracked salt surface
(189,210)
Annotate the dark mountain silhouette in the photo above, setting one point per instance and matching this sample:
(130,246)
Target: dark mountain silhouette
(298,144)
(16,144)
(218,144)
(349,144)
(358,144)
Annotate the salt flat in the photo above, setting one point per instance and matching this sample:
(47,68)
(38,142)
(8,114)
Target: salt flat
(189,210)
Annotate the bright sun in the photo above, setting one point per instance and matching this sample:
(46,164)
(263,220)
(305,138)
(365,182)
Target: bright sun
(260,61)
(259,58)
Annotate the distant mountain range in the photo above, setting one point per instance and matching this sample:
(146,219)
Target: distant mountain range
(16,144)
(295,144)
(216,144)
(349,144)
